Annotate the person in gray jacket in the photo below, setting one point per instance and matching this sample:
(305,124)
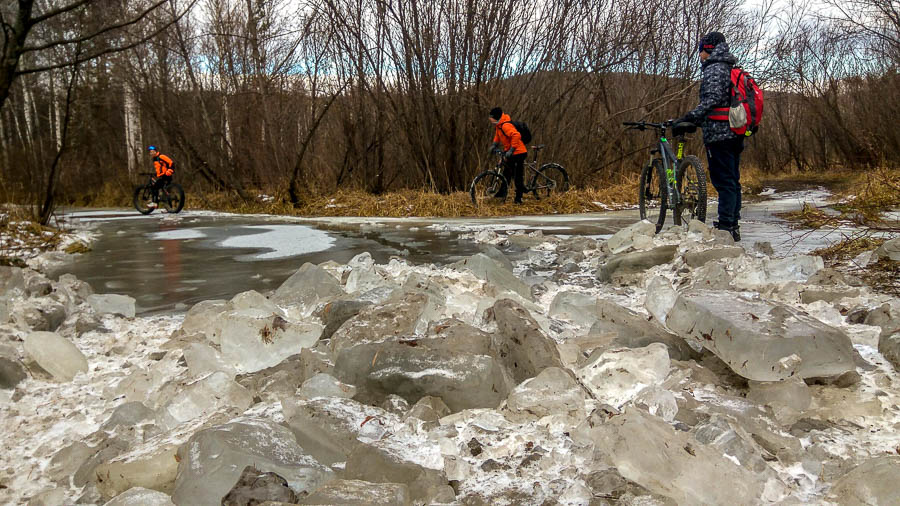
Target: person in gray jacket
(723,147)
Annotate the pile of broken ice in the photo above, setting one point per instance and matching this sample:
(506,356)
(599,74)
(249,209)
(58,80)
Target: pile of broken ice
(645,369)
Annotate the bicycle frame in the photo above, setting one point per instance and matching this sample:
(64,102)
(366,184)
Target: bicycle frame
(670,162)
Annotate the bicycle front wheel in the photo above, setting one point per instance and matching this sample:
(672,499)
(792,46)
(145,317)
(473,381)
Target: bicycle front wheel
(142,196)
(652,195)
(173,198)
(691,181)
(550,179)
(487,186)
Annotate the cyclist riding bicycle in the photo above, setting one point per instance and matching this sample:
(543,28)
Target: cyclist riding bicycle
(164,172)
(723,147)
(508,141)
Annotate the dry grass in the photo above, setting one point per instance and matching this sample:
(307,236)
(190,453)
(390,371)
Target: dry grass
(808,216)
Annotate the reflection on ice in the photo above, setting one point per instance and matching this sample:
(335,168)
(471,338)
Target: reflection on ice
(283,241)
(178,234)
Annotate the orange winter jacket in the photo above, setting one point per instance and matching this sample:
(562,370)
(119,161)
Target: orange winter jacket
(508,136)
(163,166)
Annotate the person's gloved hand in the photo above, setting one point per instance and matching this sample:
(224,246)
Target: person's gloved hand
(509,152)
(495,148)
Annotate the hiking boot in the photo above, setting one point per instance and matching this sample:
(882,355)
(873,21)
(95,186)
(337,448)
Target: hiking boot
(735,233)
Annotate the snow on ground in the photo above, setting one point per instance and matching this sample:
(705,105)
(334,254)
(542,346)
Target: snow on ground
(283,240)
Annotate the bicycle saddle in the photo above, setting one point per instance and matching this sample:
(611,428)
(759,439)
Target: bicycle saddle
(684,127)
(538,147)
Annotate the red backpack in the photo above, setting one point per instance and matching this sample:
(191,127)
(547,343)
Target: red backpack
(746,108)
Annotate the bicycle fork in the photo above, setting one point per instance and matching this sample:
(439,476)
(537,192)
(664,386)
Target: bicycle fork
(669,168)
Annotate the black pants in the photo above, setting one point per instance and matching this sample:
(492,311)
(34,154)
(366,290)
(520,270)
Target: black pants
(160,182)
(514,170)
(724,159)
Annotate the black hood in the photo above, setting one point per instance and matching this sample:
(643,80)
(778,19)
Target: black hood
(721,54)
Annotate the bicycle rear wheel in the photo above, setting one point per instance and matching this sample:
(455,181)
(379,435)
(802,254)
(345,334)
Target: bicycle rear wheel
(652,195)
(172,198)
(486,186)
(142,195)
(692,186)
(550,179)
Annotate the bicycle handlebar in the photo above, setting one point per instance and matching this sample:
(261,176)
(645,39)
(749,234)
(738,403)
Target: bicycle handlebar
(146,173)
(643,125)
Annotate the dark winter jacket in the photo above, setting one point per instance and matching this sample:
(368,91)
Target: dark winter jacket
(715,91)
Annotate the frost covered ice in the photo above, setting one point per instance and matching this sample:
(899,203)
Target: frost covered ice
(514,377)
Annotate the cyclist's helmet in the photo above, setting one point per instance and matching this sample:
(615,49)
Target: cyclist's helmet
(152,148)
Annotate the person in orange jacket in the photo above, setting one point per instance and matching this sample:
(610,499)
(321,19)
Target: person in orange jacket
(508,141)
(164,172)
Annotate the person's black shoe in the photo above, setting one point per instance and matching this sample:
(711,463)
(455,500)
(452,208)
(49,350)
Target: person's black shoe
(736,233)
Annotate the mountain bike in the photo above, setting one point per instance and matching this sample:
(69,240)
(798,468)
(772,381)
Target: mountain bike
(671,180)
(550,178)
(171,196)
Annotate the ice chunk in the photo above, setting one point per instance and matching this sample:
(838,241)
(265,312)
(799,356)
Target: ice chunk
(212,461)
(128,414)
(658,401)
(283,380)
(781,270)
(634,262)
(648,451)
(202,397)
(872,482)
(334,314)
(624,239)
(362,278)
(889,346)
(204,319)
(11,373)
(757,338)
(497,256)
(139,496)
(325,385)
(890,249)
(788,398)
(256,487)
(576,307)
(405,368)
(485,268)
(36,284)
(12,281)
(553,391)
(377,323)
(360,493)
(152,464)
(712,276)
(75,289)
(55,354)
(660,298)
(429,409)
(202,359)
(698,257)
(381,465)
(251,299)
(519,343)
(329,428)
(735,443)
(309,285)
(112,303)
(254,339)
(617,376)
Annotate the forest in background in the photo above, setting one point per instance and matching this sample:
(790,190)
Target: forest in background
(299,98)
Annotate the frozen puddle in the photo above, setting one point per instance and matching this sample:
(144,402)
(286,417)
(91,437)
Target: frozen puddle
(282,241)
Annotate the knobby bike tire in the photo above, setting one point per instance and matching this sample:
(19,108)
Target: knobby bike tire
(691,181)
(486,186)
(173,199)
(652,194)
(550,179)
(142,195)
